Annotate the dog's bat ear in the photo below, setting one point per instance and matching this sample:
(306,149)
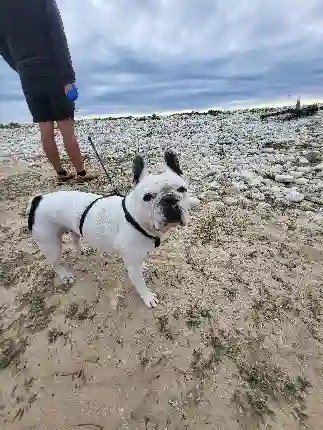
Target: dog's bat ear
(137,168)
(173,162)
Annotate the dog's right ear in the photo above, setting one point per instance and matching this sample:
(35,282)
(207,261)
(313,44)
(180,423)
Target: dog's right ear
(137,168)
(172,162)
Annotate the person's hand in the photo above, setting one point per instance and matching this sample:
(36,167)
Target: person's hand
(71,92)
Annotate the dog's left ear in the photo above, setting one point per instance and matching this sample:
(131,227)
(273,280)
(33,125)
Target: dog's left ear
(172,162)
(137,168)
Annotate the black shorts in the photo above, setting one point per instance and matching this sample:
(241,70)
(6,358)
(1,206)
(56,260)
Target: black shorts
(50,106)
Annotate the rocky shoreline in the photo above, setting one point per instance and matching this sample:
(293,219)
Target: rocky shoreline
(227,156)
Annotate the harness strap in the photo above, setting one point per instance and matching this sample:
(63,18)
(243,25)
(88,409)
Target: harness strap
(138,227)
(128,218)
(87,209)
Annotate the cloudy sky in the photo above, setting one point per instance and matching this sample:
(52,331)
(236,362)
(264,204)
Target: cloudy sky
(141,56)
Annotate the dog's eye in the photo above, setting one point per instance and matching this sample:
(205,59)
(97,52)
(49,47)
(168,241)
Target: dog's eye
(147,197)
(182,190)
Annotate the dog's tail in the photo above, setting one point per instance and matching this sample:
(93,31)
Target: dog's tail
(31,210)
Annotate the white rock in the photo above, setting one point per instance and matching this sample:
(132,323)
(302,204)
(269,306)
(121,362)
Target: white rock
(233,190)
(264,206)
(256,195)
(277,168)
(318,218)
(319,166)
(277,191)
(296,174)
(216,204)
(266,181)
(229,201)
(255,181)
(294,196)
(194,201)
(240,185)
(246,175)
(320,175)
(287,179)
(268,150)
(303,161)
(246,202)
(304,169)
(214,186)
(208,196)
(301,181)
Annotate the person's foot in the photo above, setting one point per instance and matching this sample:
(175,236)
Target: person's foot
(84,176)
(64,176)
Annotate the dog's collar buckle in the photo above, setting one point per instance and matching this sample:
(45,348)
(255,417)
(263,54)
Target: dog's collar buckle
(138,227)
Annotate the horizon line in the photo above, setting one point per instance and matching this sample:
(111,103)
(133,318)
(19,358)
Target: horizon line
(233,106)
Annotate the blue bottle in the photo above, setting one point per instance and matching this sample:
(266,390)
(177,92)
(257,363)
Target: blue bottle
(71,92)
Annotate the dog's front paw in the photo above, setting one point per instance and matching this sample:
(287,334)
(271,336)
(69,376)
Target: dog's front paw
(150,299)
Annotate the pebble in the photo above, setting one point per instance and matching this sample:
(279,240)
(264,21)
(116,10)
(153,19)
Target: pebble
(277,191)
(216,204)
(229,201)
(256,195)
(284,178)
(304,169)
(255,181)
(294,196)
(303,161)
(234,190)
(194,201)
(296,174)
(314,157)
(301,181)
(208,196)
(214,186)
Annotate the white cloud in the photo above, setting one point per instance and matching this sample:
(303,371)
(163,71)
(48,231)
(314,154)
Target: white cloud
(185,30)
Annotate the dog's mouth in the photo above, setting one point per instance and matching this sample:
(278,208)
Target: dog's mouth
(170,222)
(169,213)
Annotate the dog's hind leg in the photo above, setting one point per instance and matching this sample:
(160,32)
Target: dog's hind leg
(80,249)
(76,243)
(50,244)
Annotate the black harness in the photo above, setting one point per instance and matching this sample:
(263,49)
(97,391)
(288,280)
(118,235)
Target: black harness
(135,225)
(87,209)
(128,217)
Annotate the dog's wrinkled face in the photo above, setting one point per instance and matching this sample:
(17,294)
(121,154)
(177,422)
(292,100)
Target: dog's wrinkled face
(163,200)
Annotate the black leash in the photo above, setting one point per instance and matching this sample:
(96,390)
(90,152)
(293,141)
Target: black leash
(115,191)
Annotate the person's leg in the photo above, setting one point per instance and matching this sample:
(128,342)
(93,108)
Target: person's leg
(49,144)
(63,113)
(66,127)
(40,109)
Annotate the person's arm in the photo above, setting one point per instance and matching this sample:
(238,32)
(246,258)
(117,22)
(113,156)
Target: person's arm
(59,42)
(5,53)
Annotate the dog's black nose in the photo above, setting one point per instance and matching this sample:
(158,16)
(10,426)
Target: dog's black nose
(171,210)
(168,200)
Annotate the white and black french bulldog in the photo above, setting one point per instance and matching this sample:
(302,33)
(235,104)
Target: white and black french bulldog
(132,226)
